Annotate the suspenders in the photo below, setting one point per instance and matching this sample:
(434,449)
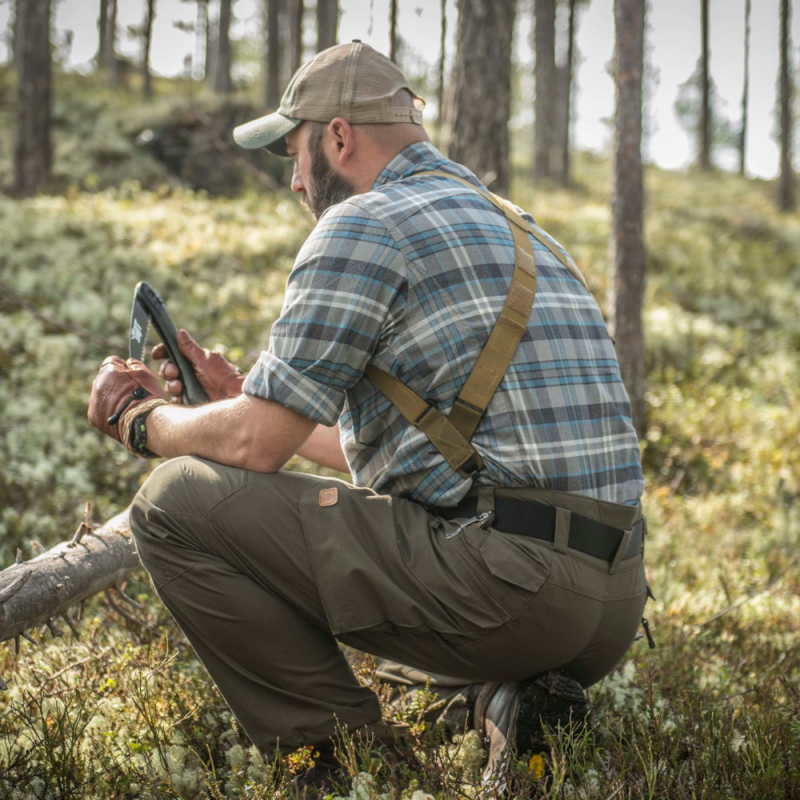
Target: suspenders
(451,434)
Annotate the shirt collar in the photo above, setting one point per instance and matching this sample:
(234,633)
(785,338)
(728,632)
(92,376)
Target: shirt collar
(417,157)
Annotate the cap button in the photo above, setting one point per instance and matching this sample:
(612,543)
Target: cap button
(356,41)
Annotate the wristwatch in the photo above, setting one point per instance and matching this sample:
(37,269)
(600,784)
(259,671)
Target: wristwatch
(138,436)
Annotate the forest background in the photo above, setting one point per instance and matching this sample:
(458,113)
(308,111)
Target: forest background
(144,184)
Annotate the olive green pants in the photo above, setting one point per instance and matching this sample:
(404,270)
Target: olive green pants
(265,572)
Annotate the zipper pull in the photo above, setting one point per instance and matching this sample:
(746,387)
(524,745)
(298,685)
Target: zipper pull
(484,519)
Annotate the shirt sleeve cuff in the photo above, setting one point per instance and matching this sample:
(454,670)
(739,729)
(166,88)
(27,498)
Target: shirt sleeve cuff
(274,379)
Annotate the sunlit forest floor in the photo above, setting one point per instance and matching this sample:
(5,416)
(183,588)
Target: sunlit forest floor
(124,712)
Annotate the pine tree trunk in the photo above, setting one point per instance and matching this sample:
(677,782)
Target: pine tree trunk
(222,51)
(786,196)
(327,23)
(33,151)
(102,30)
(147,38)
(112,70)
(296,12)
(393,30)
(705,114)
(440,87)
(482,104)
(200,62)
(745,90)
(627,243)
(545,78)
(567,98)
(273,60)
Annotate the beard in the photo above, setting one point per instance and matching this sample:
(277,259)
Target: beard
(326,186)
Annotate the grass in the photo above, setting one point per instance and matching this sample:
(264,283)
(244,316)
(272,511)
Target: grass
(713,712)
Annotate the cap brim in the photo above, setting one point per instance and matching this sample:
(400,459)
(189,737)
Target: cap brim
(269,131)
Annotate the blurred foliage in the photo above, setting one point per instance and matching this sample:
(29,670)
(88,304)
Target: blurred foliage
(713,712)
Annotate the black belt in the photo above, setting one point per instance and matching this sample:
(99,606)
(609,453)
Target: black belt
(528,518)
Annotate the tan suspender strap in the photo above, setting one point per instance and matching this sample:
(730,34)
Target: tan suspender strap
(451,435)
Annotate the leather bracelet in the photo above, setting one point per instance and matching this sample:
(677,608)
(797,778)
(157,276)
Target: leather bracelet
(133,427)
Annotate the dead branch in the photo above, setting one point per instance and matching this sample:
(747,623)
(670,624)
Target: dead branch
(33,592)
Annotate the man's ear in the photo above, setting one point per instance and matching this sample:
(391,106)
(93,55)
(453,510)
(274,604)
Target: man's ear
(341,135)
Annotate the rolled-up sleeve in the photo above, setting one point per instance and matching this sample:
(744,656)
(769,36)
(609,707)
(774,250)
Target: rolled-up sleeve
(344,294)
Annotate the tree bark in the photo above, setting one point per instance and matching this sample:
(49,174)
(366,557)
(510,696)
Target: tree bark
(327,23)
(786,194)
(705,87)
(33,150)
(393,30)
(102,30)
(222,83)
(482,105)
(745,90)
(545,78)
(273,56)
(65,575)
(440,96)
(110,61)
(147,37)
(627,241)
(296,11)
(566,99)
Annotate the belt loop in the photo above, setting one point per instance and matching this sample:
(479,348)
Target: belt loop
(561,540)
(485,499)
(620,554)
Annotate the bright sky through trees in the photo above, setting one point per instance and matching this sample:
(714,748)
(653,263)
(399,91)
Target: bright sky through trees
(673,50)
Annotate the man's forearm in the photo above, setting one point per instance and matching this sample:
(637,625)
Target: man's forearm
(243,432)
(324,447)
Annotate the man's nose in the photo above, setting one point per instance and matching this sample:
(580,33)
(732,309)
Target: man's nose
(297,181)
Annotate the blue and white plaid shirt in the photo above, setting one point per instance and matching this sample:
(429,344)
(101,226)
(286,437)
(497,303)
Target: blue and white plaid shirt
(412,276)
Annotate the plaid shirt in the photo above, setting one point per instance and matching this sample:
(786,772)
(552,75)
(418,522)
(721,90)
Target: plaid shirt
(412,276)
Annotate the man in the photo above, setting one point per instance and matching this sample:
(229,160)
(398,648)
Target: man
(493,535)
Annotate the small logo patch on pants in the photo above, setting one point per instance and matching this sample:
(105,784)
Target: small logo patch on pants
(328,497)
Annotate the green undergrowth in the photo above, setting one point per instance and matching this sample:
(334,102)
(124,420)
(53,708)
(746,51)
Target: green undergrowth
(127,711)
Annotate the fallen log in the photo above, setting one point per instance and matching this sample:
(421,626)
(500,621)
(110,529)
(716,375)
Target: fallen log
(35,592)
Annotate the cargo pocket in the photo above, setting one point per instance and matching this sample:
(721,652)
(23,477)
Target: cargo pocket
(517,560)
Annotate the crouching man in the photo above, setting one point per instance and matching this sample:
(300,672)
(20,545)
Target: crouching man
(444,350)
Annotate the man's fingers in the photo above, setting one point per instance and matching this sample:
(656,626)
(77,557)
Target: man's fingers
(159,351)
(175,388)
(168,371)
(115,360)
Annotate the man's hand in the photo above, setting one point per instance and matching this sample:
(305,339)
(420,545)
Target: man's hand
(118,393)
(218,377)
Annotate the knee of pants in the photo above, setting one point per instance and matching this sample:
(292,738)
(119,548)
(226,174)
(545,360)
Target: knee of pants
(171,505)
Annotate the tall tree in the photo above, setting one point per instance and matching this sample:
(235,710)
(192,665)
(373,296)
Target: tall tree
(564,116)
(482,105)
(327,23)
(33,150)
(705,78)
(147,37)
(440,86)
(220,75)
(786,193)
(296,13)
(627,241)
(745,90)
(393,30)
(102,30)
(272,88)
(110,60)
(545,78)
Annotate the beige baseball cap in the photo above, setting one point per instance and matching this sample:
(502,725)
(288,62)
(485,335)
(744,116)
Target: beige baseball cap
(352,81)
